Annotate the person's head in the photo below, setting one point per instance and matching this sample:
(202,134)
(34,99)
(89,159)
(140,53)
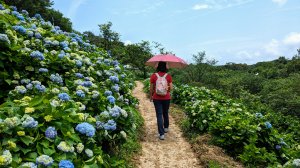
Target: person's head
(162,67)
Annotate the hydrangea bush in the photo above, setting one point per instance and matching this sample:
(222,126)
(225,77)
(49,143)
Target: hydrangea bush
(243,133)
(64,102)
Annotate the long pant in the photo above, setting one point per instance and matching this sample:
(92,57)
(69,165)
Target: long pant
(162,114)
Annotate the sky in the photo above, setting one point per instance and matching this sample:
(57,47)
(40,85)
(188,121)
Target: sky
(239,31)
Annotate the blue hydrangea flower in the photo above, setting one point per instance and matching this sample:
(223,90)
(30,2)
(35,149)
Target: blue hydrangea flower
(38,55)
(65,164)
(87,83)
(13,8)
(21,89)
(80,93)
(64,96)
(40,88)
(78,63)
(78,75)
(2,7)
(61,54)
(106,61)
(4,39)
(111,125)
(24,12)
(115,63)
(115,88)
(29,122)
(43,70)
(56,78)
(258,115)
(117,68)
(123,76)
(278,147)
(30,33)
(38,35)
(114,79)
(95,94)
(29,86)
(86,128)
(44,160)
(99,125)
(50,132)
(38,16)
(108,93)
(29,164)
(115,111)
(111,99)
(268,125)
(20,29)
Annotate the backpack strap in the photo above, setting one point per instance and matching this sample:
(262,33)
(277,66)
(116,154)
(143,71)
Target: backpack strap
(157,75)
(165,75)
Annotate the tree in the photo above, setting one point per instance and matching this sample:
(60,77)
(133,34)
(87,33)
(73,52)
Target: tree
(108,36)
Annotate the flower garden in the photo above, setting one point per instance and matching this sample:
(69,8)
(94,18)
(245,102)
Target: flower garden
(64,102)
(243,133)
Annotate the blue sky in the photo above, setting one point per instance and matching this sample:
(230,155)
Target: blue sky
(240,31)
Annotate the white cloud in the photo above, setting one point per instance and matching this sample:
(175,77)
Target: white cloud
(127,42)
(200,6)
(292,39)
(280,2)
(272,47)
(75,4)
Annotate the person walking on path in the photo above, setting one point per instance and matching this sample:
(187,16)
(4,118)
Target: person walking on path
(160,87)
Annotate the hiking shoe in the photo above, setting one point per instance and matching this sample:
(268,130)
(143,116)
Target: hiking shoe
(162,137)
(166,130)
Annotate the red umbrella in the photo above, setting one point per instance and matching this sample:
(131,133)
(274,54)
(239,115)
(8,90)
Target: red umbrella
(172,61)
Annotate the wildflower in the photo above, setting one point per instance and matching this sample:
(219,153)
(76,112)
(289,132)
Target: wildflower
(29,122)
(37,55)
(111,99)
(110,125)
(5,158)
(63,146)
(79,147)
(29,110)
(21,89)
(48,118)
(64,96)
(50,132)
(29,165)
(80,93)
(268,125)
(108,93)
(21,133)
(89,152)
(56,78)
(43,70)
(65,164)
(44,160)
(86,128)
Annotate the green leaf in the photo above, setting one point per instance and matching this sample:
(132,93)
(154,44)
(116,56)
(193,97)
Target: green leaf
(27,140)
(48,151)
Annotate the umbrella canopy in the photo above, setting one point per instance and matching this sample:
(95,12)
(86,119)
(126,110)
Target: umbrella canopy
(172,60)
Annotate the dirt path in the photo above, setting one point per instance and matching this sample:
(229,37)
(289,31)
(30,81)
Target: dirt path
(174,151)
